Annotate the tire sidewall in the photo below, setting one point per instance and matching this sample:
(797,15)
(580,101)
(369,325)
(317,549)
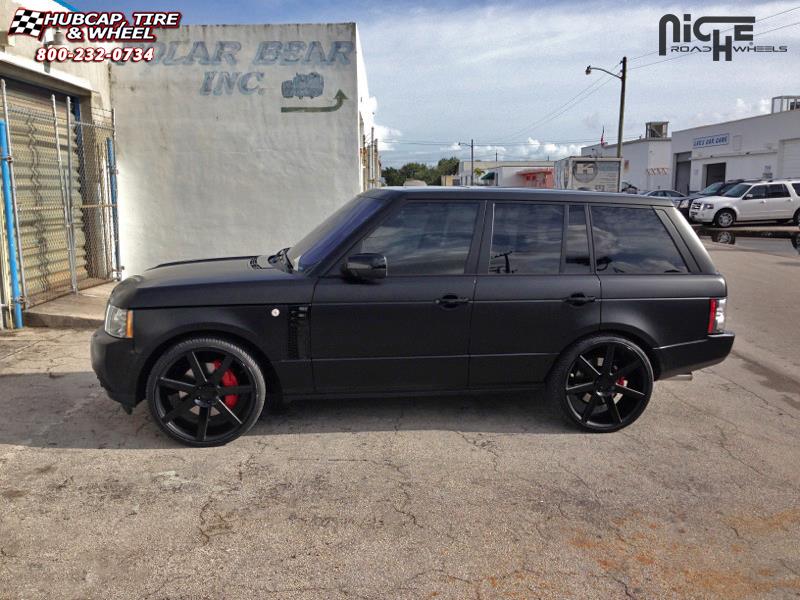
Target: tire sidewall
(557,379)
(208,343)
(724,211)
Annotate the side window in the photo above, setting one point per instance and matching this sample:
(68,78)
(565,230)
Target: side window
(796,187)
(425,238)
(757,192)
(576,258)
(777,190)
(526,238)
(633,240)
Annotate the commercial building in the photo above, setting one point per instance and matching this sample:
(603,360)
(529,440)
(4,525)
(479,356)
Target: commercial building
(238,139)
(57,230)
(234,140)
(764,146)
(506,173)
(646,162)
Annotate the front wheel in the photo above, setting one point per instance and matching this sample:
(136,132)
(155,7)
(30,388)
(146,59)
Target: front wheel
(724,218)
(796,219)
(206,391)
(603,383)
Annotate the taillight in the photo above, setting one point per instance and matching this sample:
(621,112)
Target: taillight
(716,315)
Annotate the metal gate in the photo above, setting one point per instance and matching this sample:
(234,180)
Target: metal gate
(64,190)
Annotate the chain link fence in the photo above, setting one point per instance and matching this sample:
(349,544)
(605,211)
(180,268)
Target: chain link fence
(64,193)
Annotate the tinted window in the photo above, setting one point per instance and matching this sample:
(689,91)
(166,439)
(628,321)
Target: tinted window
(425,238)
(633,240)
(526,238)
(757,192)
(777,190)
(737,191)
(331,232)
(577,253)
(796,187)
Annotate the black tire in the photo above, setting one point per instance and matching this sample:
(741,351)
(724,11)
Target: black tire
(627,384)
(724,218)
(796,219)
(186,391)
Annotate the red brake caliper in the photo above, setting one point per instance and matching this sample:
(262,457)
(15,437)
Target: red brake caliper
(228,380)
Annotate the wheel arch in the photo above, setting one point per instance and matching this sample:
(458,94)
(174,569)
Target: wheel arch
(637,336)
(270,375)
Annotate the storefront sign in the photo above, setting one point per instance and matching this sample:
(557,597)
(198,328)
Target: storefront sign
(711,140)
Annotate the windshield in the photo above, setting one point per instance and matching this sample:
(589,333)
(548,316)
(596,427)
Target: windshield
(737,191)
(713,188)
(315,246)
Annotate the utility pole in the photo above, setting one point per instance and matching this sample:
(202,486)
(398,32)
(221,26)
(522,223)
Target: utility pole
(622,76)
(622,79)
(472,162)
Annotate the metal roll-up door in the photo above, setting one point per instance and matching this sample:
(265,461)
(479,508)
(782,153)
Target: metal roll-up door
(43,192)
(790,162)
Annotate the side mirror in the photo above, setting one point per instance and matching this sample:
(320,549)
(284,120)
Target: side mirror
(748,196)
(365,266)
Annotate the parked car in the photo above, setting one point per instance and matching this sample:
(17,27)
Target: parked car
(774,200)
(715,189)
(664,194)
(421,291)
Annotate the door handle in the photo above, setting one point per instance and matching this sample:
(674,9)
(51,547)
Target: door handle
(763,202)
(579,299)
(451,301)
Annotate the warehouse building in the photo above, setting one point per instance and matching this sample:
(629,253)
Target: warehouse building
(239,139)
(234,140)
(764,146)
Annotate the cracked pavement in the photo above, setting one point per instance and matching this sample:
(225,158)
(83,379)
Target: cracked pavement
(427,498)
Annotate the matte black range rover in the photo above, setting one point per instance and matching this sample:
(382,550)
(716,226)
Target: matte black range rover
(425,291)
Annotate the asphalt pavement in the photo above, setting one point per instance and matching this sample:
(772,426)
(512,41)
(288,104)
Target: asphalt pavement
(426,498)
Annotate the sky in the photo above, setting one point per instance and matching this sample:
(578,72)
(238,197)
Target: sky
(511,75)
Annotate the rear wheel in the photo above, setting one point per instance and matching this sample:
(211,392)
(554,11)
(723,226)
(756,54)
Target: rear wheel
(724,218)
(602,383)
(206,391)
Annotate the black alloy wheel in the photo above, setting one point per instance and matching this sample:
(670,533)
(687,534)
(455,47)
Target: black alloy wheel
(604,383)
(206,392)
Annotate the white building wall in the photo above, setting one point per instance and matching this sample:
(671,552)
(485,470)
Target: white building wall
(754,146)
(646,163)
(209,164)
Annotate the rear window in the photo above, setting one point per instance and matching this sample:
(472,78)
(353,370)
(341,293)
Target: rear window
(633,240)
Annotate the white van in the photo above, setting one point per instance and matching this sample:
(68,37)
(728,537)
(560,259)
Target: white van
(774,200)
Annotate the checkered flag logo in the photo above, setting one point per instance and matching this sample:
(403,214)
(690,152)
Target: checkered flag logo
(27,22)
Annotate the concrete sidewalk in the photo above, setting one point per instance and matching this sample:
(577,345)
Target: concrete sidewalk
(84,310)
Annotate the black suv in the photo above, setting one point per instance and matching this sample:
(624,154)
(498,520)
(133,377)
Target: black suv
(423,291)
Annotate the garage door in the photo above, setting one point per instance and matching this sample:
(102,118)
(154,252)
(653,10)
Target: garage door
(790,163)
(62,181)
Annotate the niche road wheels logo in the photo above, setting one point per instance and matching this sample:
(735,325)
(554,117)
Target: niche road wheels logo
(721,36)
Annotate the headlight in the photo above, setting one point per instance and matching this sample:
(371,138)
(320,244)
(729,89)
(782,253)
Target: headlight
(708,207)
(684,204)
(119,322)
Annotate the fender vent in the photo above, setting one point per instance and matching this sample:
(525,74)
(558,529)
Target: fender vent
(298,342)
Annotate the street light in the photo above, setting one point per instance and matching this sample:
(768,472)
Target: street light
(622,77)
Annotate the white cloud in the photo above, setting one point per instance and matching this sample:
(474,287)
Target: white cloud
(384,133)
(487,72)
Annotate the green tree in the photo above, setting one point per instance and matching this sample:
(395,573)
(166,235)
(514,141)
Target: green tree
(421,171)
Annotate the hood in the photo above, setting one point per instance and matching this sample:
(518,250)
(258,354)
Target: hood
(212,282)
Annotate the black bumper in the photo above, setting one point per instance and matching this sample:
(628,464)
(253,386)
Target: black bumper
(115,363)
(691,356)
